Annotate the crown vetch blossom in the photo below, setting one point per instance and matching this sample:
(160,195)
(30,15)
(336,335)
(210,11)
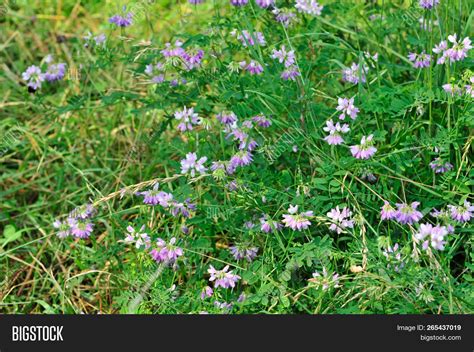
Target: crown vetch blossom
(242,158)
(440,167)
(365,150)
(227,118)
(355,73)
(462,213)
(265,3)
(394,257)
(84,211)
(459,49)
(387,212)
(436,233)
(284,16)
(223,278)
(283,56)
(268,225)
(55,72)
(206,292)
(310,7)
(64,230)
(187,118)
(182,208)
(420,60)
(253,67)
(124,20)
(191,164)
(139,238)
(452,89)
(290,73)
(249,39)
(347,107)
(239,2)
(335,132)
(262,121)
(295,221)
(428,4)
(341,219)
(154,197)
(242,251)
(407,213)
(196,2)
(166,252)
(33,76)
(80,228)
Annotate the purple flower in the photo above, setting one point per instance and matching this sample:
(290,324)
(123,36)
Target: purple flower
(55,72)
(436,236)
(222,278)
(310,7)
(166,253)
(249,39)
(340,219)
(347,107)
(268,225)
(387,212)
(394,257)
(283,56)
(187,118)
(253,67)
(154,197)
(297,221)
(238,2)
(33,76)
(265,3)
(452,89)
(207,292)
(192,59)
(355,73)
(83,212)
(335,132)
(139,238)
(420,60)
(196,2)
(191,164)
(290,73)
(243,252)
(242,158)
(325,280)
(173,50)
(122,21)
(80,228)
(227,118)
(365,149)
(284,16)
(407,214)
(182,208)
(439,166)
(428,4)
(462,213)
(459,49)
(63,228)
(262,121)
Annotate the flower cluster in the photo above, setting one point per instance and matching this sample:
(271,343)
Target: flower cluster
(243,251)
(347,108)
(139,238)
(355,73)
(249,39)
(428,4)
(394,258)
(187,118)
(457,52)
(122,20)
(364,150)
(335,132)
(35,77)
(222,278)
(166,253)
(340,219)
(432,235)
(310,7)
(78,223)
(297,221)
